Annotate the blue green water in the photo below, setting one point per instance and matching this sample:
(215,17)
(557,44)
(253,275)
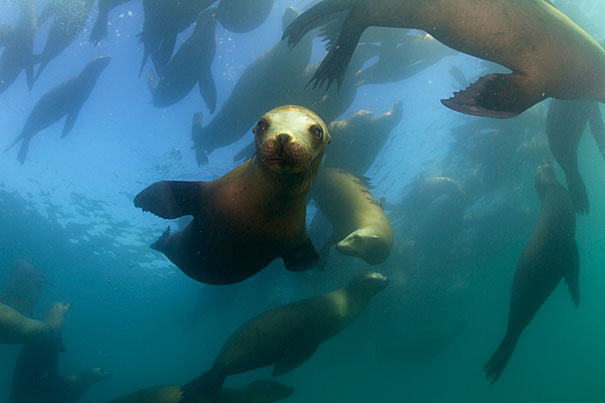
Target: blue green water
(69,211)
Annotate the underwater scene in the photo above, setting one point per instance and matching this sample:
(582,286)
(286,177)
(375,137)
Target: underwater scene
(257,201)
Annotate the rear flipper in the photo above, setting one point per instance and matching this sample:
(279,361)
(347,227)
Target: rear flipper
(170,199)
(197,130)
(23,150)
(499,96)
(494,367)
(202,389)
(577,191)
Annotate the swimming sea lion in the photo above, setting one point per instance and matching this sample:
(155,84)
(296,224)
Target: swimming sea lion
(69,20)
(550,254)
(255,213)
(16,328)
(70,388)
(360,226)
(65,99)
(243,15)
(19,48)
(190,65)
(263,391)
(358,140)
(565,124)
(550,55)
(286,336)
(99,31)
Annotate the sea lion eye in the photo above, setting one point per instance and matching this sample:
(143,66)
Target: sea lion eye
(260,127)
(317,132)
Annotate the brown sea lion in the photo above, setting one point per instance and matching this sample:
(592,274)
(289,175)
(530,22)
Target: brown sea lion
(255,213)
(360,226)
(551,254)
(549,55)
(16,328)
(565,124)
(286,336)
(263,391)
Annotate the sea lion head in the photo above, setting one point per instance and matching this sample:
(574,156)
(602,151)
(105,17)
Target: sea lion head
(365,244)
(267,391)
(56,314)
(367,283)
(545,176)
(24,287)
(291,140)
(96,65)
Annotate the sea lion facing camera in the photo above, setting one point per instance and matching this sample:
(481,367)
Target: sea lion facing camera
(255,213)
(360,226)
(551,254)
(286,336)
(263,391)
(549,55)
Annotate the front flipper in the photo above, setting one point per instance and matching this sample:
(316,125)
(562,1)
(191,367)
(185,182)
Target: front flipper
(294,356)
(171,199)
(303,257)
(208,89)
(573,272)
(499,96)
(597,127)
(70,121)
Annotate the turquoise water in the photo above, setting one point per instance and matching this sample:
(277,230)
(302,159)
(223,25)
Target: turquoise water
(69,211)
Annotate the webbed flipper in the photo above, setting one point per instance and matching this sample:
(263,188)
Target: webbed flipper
(499,96)
(70,121)
(170,199)
(208,89)
(295,355)
(303,257)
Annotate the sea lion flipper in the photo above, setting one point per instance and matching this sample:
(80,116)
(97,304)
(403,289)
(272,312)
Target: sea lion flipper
(597,127)
(499,96)
(294,356)
(70,121)
(208,89)
(5,34)
(302,258)
(203,387)
(29,75)
(571,276)
(170,199)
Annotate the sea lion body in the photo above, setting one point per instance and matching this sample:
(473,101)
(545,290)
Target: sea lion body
(19,48)
(190,65)
(69,20)
(64,100)
(252,215)
(550,55)
(16,328)
(263,391)
(565,124)
(243,15)
(360,226)
(551,254)
(287,336)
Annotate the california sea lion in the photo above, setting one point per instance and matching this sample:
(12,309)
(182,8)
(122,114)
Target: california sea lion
(24,287)
(550,56)
(263,391)
(16,328)
(565,124)
(360,226)
(64,100)
(550,254)
(255,213)
(99,30)
(69,20)
(243,15)
(190,65)
(286,336)
(19,47)
(358,140)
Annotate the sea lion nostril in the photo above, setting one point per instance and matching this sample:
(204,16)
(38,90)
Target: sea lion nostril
(283,138)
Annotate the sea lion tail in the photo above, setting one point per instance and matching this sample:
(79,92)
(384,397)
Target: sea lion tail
(577,191)
(23,150)
(201,389)
(496,364)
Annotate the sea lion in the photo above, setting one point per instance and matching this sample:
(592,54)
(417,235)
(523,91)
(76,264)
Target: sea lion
(360,226)
(565,124)
(24,287)
(550,55)
(255,213)
(16,328)
(69,20)
(19,47)
(263,391)
(70,388)
(99,30)
(358,140)
(64,100)
(243,15)
(286,336)
(551,254)
(190,65)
